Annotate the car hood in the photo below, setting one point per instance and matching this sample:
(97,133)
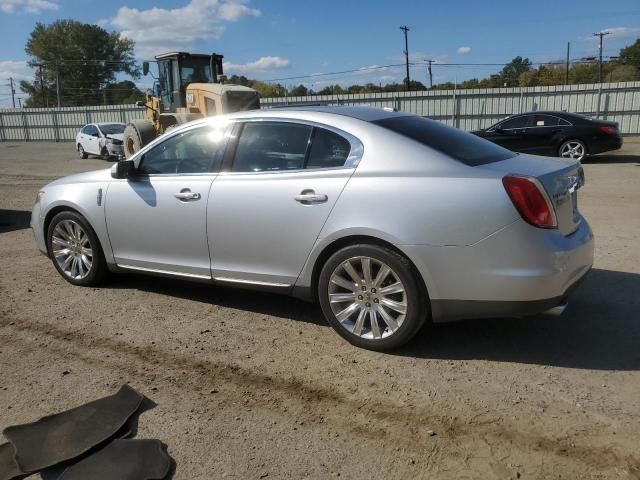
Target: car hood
(87,177)
(116,136)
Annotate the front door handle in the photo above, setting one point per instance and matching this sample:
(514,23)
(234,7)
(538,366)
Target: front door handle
(307,197)
(187,195)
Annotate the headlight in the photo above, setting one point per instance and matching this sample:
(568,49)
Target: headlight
(115,142)
(39,195)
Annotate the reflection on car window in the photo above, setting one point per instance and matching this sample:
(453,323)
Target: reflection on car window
(516,122)
(272,146)
(193,151)
(328,150)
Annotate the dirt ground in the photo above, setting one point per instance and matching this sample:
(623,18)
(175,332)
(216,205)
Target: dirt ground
(251,385)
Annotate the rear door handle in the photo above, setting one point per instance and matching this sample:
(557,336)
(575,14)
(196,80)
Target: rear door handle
(187,195)
(307,197)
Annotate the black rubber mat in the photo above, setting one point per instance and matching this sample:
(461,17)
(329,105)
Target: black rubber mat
(63,436)
(123,460)
(8,468)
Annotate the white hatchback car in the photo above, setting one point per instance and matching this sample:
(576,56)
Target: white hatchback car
(103,139)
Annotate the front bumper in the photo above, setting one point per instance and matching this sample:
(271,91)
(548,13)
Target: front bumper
(36,224)
(115,150)
(519,270)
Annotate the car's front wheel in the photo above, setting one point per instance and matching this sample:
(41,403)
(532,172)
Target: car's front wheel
(372,297)
(574,149)
(81,152)
(75,250)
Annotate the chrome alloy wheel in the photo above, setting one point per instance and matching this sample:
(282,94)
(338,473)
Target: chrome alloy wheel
(367,297)
(572,149)
(71,249)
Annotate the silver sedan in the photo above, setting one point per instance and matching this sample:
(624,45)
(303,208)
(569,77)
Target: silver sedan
(388,220)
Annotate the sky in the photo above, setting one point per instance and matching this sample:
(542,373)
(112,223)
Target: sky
(281,39)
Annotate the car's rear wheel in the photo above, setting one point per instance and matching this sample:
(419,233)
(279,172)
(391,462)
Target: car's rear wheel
(372,296)
(75,250)
(574,149)
(81,152)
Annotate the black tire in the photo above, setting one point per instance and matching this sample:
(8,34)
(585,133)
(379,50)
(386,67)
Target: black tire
(98,270)
(417,301)
(136,135)
(105,154)
(81,152)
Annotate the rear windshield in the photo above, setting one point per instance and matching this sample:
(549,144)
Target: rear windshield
(464,147)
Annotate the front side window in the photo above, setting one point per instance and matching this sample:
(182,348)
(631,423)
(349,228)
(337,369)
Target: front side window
(193,151)
(271,146)
(516,122)
(92,130)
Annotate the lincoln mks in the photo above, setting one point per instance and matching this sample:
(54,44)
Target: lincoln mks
(387,219)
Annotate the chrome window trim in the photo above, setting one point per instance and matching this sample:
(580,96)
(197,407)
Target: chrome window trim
(567,124)
(353,159)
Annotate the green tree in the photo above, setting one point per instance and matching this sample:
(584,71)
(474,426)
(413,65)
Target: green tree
(512,71)
(299,91)
(123,93)
(84,58)
(631,55)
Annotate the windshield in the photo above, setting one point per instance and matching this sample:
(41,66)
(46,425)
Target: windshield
(112,128)
(462,146)
(195,71)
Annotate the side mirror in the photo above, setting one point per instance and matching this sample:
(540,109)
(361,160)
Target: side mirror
(145,68)
(498,130)
(139,103)
(123,169)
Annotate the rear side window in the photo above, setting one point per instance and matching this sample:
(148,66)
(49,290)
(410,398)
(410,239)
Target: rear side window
(271,146)
(328,150)
(545,121)
(462,146)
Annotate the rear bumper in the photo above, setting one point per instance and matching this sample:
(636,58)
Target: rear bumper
(451,310)
(605,144)
(519,270)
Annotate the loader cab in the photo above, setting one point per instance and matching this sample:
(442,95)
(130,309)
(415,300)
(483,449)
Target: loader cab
(179,69)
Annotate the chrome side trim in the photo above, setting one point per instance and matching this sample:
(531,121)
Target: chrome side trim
(251,282)
(164,272)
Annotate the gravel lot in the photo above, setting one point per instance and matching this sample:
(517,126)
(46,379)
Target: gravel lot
(251,385)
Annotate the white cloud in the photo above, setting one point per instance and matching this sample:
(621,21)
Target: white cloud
(263,64)
(157,30)
(463,50)
(31,6)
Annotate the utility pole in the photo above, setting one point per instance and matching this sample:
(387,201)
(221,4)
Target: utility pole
(600,34)
(405,30)
(20,101)
(430,73)
(566,72)
(13,91)
(58,83)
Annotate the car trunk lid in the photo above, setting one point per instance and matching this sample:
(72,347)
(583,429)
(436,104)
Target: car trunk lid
(560,178)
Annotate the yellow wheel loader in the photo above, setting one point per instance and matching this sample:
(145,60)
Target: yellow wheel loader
(188,87)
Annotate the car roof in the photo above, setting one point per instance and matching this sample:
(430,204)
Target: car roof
(566,115)
(360,112)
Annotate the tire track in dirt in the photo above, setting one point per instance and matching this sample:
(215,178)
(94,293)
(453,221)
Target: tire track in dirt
(271,391)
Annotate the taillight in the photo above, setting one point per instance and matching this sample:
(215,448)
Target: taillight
(608,130)
(531,201)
